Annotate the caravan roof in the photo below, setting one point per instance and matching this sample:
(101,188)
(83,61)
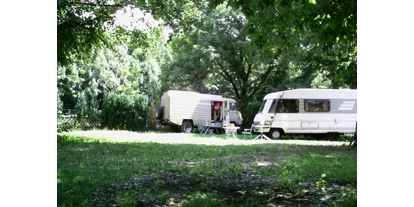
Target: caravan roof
(192,94)
(314,94)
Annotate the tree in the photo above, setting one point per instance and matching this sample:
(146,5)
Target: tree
(80,27)
(87,25)
(217,56)
(131,72)
(321,35)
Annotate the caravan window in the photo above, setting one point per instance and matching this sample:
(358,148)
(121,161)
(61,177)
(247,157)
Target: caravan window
(317,105)
(288,106)
(233,107)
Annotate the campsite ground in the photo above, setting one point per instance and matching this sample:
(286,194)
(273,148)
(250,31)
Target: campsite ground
(121,168)
(185,138)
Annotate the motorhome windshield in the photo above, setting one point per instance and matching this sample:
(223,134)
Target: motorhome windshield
(268,106)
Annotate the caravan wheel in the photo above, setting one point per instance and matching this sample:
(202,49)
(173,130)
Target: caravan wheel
(276,134)
(187,126)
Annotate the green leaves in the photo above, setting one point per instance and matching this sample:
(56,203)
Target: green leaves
(80,28)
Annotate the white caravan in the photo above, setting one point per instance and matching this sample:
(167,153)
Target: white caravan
(189,109)
(307,111)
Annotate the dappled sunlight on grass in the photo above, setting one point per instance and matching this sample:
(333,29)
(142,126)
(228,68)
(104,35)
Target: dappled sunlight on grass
(104,172)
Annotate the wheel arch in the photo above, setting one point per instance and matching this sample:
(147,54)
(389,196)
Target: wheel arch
(187,125)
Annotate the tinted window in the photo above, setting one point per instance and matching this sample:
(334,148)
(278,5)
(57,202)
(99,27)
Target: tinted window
(287,106)
(317,105)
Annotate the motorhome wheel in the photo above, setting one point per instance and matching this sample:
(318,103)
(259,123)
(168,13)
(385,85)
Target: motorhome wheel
(276,134)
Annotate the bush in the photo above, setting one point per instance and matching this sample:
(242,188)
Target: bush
(126,112)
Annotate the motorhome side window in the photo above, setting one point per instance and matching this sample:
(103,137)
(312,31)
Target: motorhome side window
(287,106)
(317,105)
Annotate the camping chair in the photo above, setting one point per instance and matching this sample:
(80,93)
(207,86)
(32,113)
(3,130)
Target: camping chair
(206,128)
(248,131)
(231,129)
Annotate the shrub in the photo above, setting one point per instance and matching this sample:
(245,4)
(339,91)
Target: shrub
(126,112)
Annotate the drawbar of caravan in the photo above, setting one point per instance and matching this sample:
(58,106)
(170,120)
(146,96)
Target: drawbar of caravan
(307,111)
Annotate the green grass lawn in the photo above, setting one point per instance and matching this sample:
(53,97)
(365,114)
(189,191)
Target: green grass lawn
(92,172)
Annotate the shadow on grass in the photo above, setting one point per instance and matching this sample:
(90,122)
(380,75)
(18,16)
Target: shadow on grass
(95,172)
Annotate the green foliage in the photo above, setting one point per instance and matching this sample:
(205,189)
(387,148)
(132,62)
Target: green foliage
(128,112)
(80,28)
(350,198)
(321,183)
(320,37)
(64,139)
(60,126)
(87,109)
(334,195)
(201,199)
(129,71)
(68,84)
(126,198)
(59,100)
(86,26)
(216,55)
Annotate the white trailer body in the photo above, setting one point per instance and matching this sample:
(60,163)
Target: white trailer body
(189,109)
(307,111)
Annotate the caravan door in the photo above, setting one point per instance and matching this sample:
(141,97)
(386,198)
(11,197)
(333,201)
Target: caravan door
(287,115)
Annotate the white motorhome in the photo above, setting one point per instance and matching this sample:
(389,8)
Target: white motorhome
(307,111)
(188,109)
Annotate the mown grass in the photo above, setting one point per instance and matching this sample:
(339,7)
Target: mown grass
(94,172)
